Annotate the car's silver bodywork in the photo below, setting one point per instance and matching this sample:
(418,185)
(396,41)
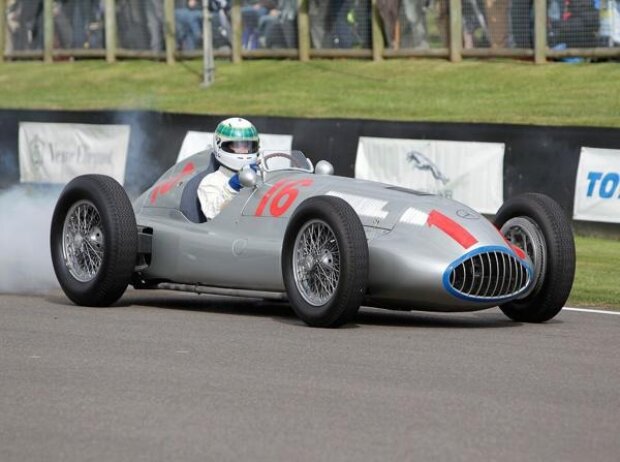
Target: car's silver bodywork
(425,252)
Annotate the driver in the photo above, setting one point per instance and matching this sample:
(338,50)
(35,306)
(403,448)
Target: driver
(236,145)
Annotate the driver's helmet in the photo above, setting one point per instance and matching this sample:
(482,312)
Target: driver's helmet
(236,143)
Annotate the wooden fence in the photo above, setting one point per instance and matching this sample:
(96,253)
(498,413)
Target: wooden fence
(454,51)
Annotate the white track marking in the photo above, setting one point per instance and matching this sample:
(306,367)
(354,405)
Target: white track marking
(586,310)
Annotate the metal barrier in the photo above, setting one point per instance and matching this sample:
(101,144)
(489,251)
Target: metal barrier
(305,29)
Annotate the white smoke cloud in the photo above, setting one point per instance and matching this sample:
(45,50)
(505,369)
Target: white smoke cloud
(25,259)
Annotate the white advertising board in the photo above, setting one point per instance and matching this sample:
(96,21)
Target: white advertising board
(57,152)
(597,188)
(199,141)
(469,172)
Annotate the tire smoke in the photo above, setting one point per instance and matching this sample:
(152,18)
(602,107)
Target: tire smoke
(25,219)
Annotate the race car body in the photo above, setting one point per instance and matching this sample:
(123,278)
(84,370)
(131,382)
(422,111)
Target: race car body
(329,244)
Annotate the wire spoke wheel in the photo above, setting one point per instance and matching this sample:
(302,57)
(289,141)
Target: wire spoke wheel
(93,240)
(83,241)
(316,262)
(325,261)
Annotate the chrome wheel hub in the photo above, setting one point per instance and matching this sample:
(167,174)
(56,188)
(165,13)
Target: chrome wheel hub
(83,241)
(316,262)
(524,233)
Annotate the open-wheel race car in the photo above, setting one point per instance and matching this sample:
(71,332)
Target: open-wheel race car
(327,244)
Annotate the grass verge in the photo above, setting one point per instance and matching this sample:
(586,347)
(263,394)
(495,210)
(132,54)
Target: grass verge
(596,279)
(402,89)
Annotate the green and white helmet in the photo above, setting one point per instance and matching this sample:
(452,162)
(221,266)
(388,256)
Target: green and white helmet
(236,143)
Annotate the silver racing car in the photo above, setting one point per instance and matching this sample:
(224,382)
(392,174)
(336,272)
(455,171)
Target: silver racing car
(325,243)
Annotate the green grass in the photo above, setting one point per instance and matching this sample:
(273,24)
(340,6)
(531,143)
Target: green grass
(425,90)
(597,277)
(414,89)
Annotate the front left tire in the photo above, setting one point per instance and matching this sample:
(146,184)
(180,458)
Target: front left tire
(325,262)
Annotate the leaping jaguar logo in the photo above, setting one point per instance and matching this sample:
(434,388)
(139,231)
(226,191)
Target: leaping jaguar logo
(421,162)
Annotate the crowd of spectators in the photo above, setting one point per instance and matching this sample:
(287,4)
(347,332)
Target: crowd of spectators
(333,23)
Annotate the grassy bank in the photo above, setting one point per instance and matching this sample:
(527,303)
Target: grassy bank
(596,280)
(431,90)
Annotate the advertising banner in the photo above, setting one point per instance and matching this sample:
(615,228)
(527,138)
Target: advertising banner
(199,141)
(469,172)
(58,152)
(597,189)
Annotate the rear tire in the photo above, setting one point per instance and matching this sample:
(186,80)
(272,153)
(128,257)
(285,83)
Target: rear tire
(539,220)
(325,262)
(94,240)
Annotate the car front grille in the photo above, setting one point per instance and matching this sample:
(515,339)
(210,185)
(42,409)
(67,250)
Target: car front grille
(489,276)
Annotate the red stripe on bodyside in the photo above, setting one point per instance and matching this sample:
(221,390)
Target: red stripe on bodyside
(451,228)
(164,187)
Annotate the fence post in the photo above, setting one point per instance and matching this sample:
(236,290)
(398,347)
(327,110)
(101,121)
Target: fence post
(456,30)
(303,30)
(540,31)
(237,31)
(208,65)
(48,30)
(377,33)
(110,31)
(170,30)
(2,29)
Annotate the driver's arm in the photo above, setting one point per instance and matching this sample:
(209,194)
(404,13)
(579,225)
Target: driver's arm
(214,193)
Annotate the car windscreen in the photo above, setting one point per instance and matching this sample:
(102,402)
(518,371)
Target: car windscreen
(272,161)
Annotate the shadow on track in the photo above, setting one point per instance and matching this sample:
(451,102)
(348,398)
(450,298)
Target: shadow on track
(282,312)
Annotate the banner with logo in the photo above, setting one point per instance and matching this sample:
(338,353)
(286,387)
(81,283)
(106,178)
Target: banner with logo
(469,172)
(597,189)
(199,141)
(58,152)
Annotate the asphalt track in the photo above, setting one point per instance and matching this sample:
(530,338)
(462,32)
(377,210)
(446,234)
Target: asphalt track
(169,376)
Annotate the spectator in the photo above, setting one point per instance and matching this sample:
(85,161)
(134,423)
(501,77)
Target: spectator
(497,21)
(131,22)
(415,12)
(86,22)
(12,24)
(222,30)
(252,13)
(63,30)
(317,12)
(389,11)
(189,25)
(349,23)
(576,25)
(280,25)
(521,20)
(27,29)
(155,23)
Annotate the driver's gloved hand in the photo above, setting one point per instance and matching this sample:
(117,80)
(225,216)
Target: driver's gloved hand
(254,166)
(234,183)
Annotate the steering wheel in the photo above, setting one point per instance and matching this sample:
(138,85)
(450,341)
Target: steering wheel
(279,154)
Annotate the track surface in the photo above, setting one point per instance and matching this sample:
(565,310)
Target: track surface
(168,376)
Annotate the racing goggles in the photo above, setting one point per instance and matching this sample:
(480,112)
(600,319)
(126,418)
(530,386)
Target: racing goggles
(240,147)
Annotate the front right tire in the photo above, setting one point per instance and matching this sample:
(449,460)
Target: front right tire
(538,225)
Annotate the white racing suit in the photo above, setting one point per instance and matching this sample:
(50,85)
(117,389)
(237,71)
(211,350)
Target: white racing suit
(214,192)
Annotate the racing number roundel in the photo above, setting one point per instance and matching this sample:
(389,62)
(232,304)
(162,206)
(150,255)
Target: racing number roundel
(280,197)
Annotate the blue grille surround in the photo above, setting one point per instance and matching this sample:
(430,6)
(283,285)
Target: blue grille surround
(488,274)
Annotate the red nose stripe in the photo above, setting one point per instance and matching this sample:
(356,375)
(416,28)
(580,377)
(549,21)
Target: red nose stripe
(451,228)
(520,253)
